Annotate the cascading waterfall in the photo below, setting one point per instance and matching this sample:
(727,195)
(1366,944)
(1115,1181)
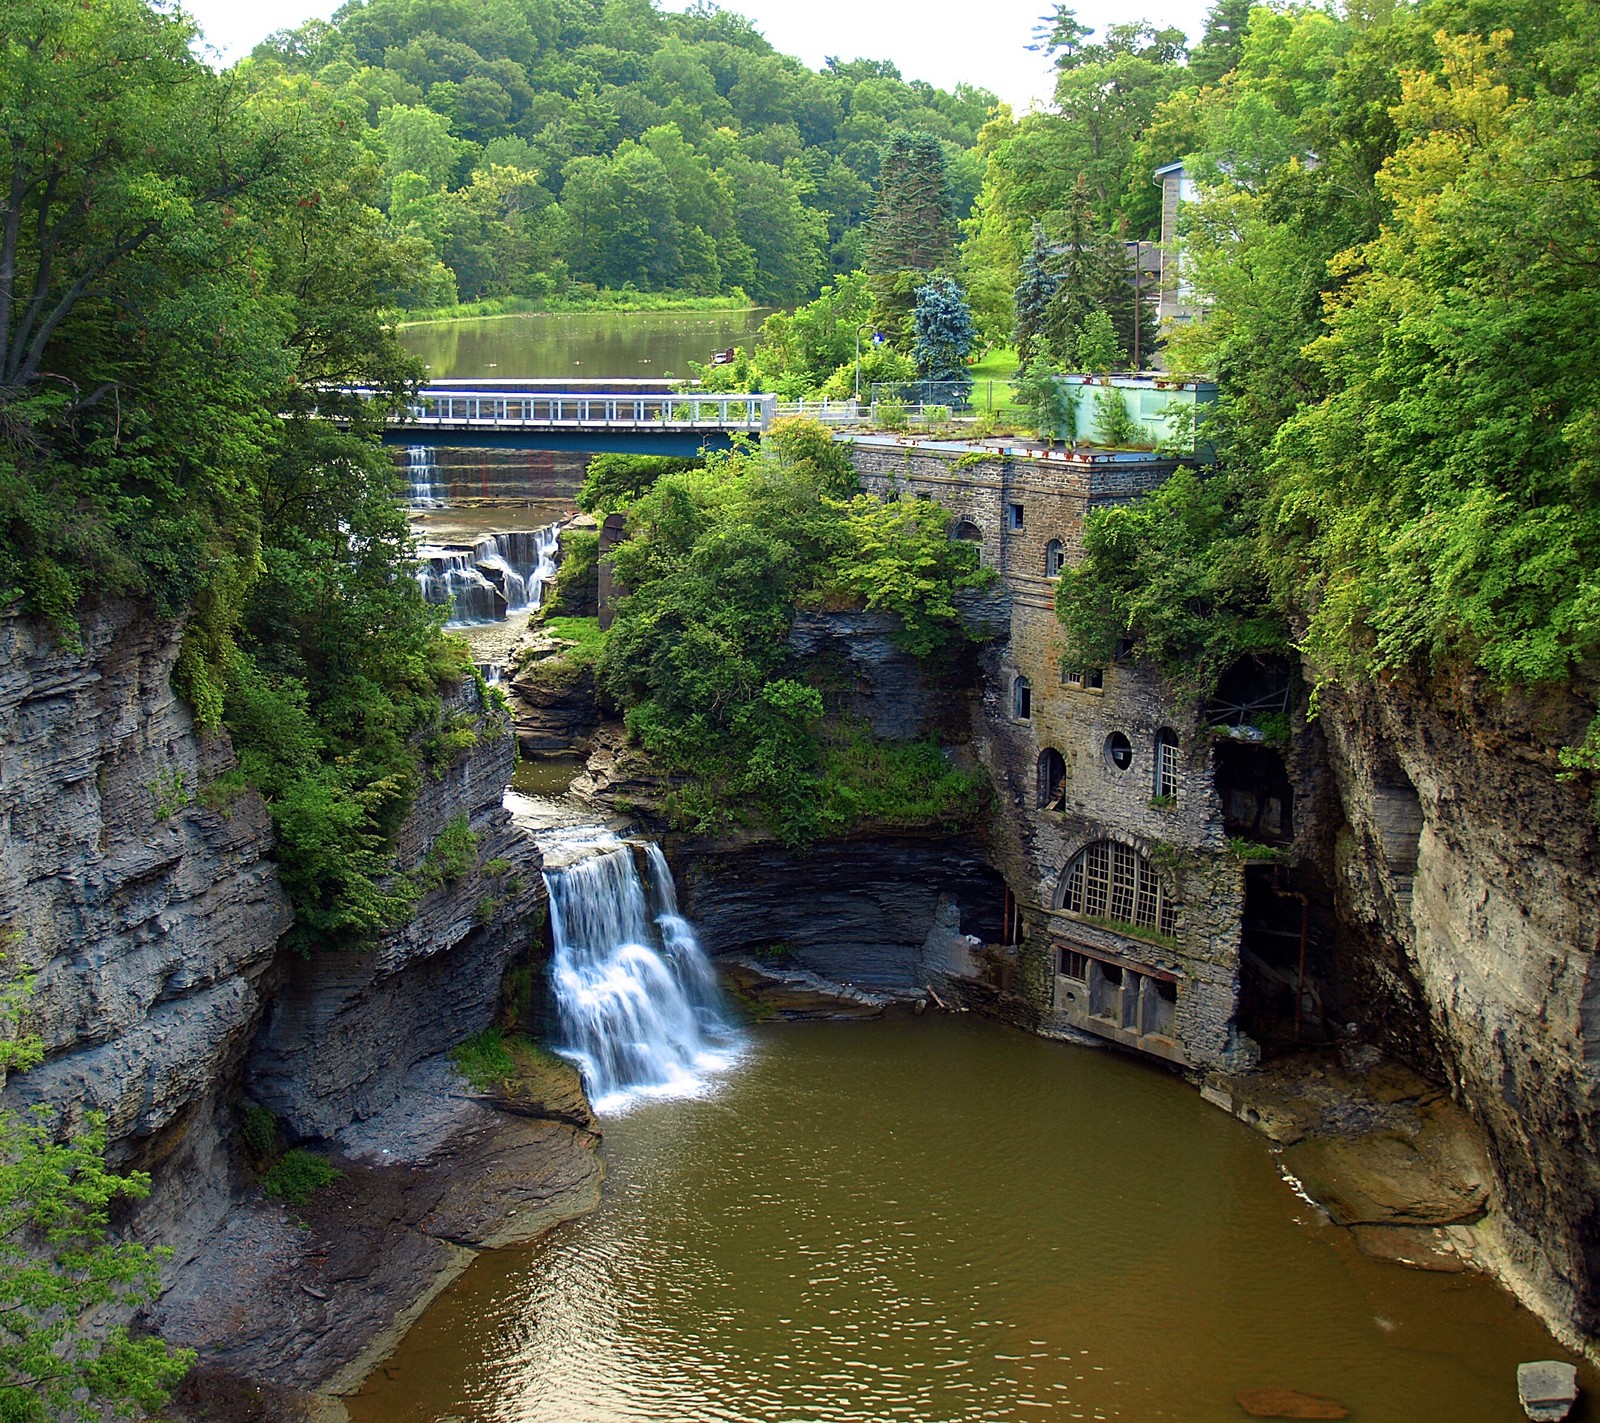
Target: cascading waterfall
(496,577)
(423,471)
(640,1010)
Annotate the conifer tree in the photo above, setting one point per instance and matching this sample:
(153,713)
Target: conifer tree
(1094,272)
(1034,294)
(911,235)
(945,335)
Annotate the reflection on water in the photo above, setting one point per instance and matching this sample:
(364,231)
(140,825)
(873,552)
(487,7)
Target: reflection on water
(939,1219)
(643,345)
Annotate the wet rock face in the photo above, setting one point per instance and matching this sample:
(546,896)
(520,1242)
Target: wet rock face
(347,1027)
(555,706)
(147,916)
(862,912)
(866,674)
(1464,878)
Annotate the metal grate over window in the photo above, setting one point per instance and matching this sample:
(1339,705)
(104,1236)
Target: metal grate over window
(1113,881)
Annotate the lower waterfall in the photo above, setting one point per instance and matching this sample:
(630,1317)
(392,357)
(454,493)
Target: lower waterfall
(640,1010)
(490,580)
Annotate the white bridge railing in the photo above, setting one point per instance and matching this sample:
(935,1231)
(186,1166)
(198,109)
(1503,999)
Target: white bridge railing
(458,409)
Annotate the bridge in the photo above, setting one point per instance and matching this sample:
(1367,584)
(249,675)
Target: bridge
(639,418)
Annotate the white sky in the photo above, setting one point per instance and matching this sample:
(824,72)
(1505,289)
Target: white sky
(982,43)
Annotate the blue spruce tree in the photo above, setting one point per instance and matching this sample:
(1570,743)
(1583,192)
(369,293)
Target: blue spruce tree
(945,335)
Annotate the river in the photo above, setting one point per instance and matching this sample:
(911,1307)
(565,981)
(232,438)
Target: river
(944,1219)
(590,345)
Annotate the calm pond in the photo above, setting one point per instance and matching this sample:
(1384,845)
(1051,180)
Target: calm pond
(601,345)
(942,1219)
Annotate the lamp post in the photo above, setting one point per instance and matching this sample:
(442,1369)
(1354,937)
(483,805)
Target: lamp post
(877,340)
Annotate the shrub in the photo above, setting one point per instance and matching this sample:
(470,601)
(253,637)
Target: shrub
(296,1175)
(576,591)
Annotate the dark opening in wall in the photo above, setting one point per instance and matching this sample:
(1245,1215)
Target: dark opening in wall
(1054,559)
(1088,679)
(1022,699)
(965,531)
(1014,516)
(1253,785)
(1119,751)
(1052,778)
(1283,960)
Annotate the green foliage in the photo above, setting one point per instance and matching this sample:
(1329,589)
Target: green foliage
(911,235)
(809,447)
(698,655)
(1040,395)
(297,1175)
(169,793)
(1034,295)
(900,559)
(451,857)
(258,1131)
(576,591)
(60,1268)
(586,636)
(484,1059)
(1114,424)
(537,152)
(944,333)
(1095,347)
(446,740)
(1182,569)
(614,481)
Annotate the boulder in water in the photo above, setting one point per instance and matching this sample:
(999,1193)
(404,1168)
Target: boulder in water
(1547,1389)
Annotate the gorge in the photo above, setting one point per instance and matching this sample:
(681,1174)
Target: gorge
(1045,863)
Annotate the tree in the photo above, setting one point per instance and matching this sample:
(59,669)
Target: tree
(58,1263)
(1096,348)
(945,336)
(911,234)
(1038,391)
(1034,295)
(1222,44)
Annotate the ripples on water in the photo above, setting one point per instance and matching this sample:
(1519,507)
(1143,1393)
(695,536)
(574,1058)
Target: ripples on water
(942,1220)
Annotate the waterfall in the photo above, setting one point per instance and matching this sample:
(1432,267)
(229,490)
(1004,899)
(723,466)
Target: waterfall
(640,1010)
(486,582)
(422,469)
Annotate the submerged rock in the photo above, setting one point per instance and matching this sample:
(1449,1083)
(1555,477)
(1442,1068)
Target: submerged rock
(1288,1403)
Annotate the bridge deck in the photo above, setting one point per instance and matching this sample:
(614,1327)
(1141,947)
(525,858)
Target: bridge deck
(452,409)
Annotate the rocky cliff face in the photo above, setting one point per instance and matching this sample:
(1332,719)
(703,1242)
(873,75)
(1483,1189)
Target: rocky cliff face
(1464,877)
(347,1028)
(144,904)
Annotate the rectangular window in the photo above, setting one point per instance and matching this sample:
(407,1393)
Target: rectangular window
(1013,516)
(1092,679)
(1166,767)
(1074,965)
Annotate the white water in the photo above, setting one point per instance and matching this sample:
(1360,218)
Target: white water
(641,1014)
(422,470)
(491,580)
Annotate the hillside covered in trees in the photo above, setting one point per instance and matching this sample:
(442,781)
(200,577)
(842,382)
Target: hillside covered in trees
(537,143)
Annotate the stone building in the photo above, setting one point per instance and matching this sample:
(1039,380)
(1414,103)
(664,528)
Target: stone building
(1125,901)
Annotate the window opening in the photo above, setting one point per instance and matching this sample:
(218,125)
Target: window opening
(1074,965)
(967,532)
(1022,699)
(1052,779)
(1166,779)
(1091,679)
(1119,751)
(1110,880)
(1053,559)
(1013,516)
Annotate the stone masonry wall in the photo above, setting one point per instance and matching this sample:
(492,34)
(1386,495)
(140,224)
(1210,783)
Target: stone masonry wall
(1033,845)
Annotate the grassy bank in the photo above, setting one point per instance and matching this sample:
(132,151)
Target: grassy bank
(620,302)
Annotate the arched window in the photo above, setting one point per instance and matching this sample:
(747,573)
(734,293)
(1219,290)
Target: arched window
(1022,699)
(1166,779)
(1052,776)
(965,531)
(1053,559)
(1109,880)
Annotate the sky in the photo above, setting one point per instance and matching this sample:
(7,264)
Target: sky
(982,43)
